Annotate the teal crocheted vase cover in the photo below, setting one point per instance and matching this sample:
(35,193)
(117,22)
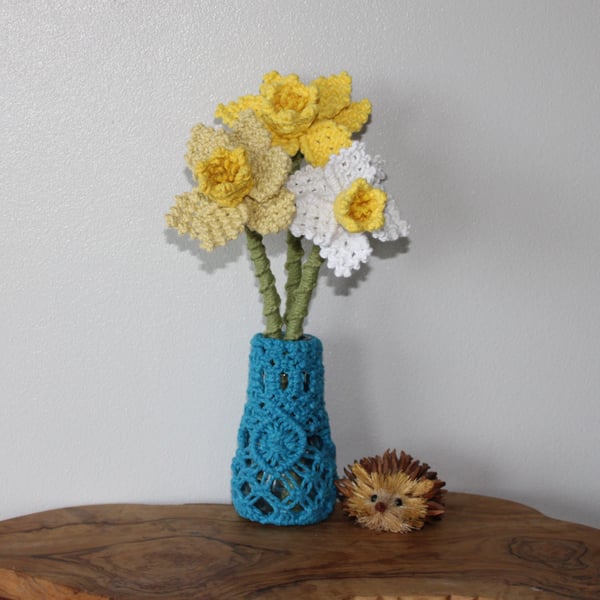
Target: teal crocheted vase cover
(284,469)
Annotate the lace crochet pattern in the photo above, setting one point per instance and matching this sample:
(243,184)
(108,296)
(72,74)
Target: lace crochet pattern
(284,468)
(316,189)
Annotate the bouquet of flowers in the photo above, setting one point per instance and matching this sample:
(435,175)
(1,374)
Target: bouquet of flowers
(285,160)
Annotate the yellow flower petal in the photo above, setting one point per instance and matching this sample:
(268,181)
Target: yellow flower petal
(290,145)
(248,131)
(272,77)
(322,140)
(226,177)
(271,170)
(230,112)
(360,207)
(355,116)
(272,216)
(196,215)
(290,106)
(203,142)
(334,94)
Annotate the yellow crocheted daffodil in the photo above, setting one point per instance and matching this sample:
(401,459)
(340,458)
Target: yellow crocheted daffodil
(241,183)
(317,119)
(360,207)
(290,106)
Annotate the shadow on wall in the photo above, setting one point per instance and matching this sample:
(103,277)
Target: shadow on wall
(346,398)
(209,262)
(343,286)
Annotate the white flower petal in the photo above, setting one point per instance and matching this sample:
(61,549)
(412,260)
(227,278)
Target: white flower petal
(350,164)
(346,252)
(394,226)
(314,205)
(314,218)
(307,180)
(315,190)
(380,175)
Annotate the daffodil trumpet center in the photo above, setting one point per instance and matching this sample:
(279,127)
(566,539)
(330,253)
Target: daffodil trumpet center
(291,106)
(291,97)
(360,207)
(226,176)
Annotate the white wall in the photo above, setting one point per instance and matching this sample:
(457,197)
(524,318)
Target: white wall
(124,349)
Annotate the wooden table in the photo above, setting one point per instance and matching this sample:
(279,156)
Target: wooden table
(483,548)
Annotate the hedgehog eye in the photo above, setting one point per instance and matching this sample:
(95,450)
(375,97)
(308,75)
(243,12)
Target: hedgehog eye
(374,498)
(398,502)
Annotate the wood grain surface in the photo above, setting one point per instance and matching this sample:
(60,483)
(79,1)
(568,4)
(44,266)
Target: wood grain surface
(483,548)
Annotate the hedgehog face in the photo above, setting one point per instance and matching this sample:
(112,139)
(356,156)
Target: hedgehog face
(391,493)
(388,502)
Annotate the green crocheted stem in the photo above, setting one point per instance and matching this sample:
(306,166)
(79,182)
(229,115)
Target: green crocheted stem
(293,266)
(266,279)
(299,308)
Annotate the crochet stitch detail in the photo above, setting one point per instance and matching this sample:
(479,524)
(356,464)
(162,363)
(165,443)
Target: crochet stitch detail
(318,118)
(284,468)
(316,190)
(241,183)
(213,225)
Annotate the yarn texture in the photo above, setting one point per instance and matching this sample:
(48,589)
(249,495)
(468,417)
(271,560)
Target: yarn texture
(317,119)
(284,469)
(321,192)
(241,180)
(285,159)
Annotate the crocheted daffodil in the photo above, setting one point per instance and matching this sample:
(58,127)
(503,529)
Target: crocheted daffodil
(285,159)
(241,178)
(317,119)
(337,205)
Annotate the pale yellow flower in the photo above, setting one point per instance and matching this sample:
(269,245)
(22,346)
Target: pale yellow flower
(317,119)
(226,176)
(241,178)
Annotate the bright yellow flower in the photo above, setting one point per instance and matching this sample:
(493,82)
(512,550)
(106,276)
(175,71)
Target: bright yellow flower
(241,183)
(290,106)
(317,119)
(360,207)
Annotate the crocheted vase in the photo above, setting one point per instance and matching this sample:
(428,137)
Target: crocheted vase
(284,469)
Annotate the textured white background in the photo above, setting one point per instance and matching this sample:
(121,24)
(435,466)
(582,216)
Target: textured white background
(124,349)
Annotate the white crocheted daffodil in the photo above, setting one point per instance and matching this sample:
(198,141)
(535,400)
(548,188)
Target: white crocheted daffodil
(339,204)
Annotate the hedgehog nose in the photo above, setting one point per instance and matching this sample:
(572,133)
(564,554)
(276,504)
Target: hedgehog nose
(380,507)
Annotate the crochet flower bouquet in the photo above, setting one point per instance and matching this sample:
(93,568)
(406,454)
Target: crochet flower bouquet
(285,160)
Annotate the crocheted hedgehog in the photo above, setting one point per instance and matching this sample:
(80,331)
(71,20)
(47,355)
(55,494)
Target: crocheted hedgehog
(391,493)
